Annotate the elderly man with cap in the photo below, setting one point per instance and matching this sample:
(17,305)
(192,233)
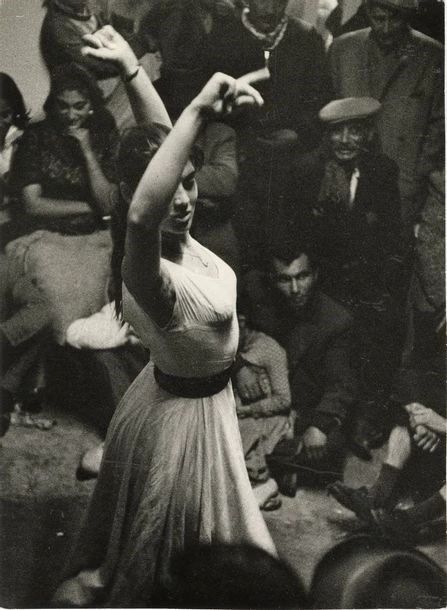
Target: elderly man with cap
(346,196)
(403,69)
(347,201)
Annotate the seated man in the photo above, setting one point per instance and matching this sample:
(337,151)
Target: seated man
(347,199)
(416,445)
(346,196)
(265,421)
(316,334)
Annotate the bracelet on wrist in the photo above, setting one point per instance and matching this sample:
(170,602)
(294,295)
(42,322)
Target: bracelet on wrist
(129,77)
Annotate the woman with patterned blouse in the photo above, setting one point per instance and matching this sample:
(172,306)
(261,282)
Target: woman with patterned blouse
(63,167)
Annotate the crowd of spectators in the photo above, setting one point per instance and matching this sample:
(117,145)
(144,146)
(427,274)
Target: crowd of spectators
(328,203)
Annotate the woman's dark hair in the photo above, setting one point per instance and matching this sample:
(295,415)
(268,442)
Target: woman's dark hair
(73,77)
(11,93)
(137,147)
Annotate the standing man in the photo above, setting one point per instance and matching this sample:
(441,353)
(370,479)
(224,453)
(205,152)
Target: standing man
(299,85)
(403,69)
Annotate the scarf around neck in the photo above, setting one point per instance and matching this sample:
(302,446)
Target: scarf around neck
(269,40)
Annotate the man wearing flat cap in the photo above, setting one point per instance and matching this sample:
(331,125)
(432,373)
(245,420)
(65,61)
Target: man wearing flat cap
(346,201)
(403,69)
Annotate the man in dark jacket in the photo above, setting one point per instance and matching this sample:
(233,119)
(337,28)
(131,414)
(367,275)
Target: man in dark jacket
(346,198)
(316,333)
(298,86)
(403,69)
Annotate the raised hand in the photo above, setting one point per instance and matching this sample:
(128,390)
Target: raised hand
(314,443)
(82,135)
(426,439)
(248,384)
(109,45)
(222,94)
(421,415)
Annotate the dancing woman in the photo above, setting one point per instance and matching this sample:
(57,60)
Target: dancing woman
(173,471)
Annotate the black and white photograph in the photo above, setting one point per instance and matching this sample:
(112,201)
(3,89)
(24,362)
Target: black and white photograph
(222,310)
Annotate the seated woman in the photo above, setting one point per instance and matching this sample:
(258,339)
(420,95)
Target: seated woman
(61,177)
(13,120)
(64,25)
(262,422)
(63,168)
(24,315)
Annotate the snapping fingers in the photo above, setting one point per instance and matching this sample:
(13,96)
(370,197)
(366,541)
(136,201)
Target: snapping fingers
(255,77)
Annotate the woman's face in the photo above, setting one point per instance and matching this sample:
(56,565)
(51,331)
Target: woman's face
(181,211)
(6,115)
(72,108)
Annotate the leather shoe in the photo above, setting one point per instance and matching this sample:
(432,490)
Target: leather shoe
(287,483)
(358,500)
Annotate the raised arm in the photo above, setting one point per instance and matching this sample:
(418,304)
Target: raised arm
(163,176)
(151,200)
(110,47)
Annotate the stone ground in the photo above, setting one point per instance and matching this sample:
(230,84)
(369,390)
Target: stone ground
(41,506)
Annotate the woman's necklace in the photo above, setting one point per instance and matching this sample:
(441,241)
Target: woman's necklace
(197,256)
(270,40)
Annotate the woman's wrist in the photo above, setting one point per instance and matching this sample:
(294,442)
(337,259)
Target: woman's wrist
(129,66)
(196,111)
(129,76)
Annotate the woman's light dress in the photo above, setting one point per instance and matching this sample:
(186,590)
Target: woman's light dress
(173,471)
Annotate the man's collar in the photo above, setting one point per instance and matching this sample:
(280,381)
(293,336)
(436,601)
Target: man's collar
(402,50)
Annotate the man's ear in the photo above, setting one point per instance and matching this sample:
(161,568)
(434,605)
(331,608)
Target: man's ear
(126,192)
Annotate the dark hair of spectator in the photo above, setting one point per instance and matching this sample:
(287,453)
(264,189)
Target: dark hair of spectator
(235,576)
(287,251)
(73,77)
(48,3)
(137,147)
(11,94)
(244,306)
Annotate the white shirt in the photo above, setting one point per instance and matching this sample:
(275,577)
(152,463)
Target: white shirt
(353,186)
(102,330)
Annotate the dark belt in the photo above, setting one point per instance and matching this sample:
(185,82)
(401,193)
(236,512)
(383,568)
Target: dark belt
(193,387)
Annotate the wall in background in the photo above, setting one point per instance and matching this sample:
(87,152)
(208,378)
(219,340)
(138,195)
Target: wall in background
(20,22)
